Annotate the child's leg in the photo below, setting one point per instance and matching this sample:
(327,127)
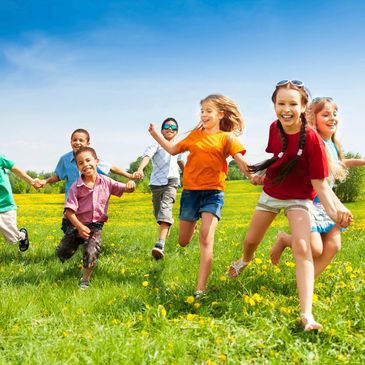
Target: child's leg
(8,227)
(68,245)
(284,239)
(260,222)
(186,232)
(299,221)
(206,238)
(331,245)
(92,247)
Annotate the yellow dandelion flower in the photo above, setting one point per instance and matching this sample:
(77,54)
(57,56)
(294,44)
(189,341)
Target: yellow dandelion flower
(223,278)
(190,300)
(162,310)
(290,264)
(315,298)
(65,334)
(264,267)
(197,305)
(145,283)
(258,261)
(190,316)
(222,357)
(122,270)
(144,333)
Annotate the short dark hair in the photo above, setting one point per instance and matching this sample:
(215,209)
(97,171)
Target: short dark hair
(86,149)
(170,119)
(83,131)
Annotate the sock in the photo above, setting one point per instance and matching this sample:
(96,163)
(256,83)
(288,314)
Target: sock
(161,242)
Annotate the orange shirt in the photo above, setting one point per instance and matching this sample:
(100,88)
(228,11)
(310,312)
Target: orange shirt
(206,167)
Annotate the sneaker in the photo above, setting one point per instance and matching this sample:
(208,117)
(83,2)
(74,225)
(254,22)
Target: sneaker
(199,294)
(24,243)
(84,284)
(158,251)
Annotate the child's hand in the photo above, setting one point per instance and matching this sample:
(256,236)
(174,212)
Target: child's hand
(38,183)
(257,179)
(138,175)
(152,129)
(130,186)
(344,217)
(84,231)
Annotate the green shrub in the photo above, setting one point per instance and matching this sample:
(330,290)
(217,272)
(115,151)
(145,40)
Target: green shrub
(352,188)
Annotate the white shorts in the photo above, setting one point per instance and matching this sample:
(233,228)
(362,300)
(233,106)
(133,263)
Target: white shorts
(270,204)
(8,227)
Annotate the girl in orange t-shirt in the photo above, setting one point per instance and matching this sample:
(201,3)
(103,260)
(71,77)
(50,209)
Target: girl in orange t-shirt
(209,144)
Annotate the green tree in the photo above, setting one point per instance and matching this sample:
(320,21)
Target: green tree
(234,173)
(352,188)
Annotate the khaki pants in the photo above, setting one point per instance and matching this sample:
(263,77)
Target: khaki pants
(9,228)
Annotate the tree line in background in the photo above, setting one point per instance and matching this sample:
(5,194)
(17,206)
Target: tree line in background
(352,189)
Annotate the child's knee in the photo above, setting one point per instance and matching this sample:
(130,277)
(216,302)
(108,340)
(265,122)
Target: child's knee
(301,248)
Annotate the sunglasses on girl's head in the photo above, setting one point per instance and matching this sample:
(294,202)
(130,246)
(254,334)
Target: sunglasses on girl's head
(170,126)
(296,83)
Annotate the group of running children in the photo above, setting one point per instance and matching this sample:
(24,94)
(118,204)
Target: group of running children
(307,160)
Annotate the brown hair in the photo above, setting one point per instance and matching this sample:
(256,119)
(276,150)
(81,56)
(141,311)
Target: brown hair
(232,120)
(288,166)
(83,131)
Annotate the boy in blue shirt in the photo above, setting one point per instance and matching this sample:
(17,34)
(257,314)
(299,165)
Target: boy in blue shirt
(66,168)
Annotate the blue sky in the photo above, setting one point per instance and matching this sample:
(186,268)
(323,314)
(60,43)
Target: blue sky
(114,66)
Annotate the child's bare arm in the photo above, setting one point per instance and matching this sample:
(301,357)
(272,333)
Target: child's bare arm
(354,162)
(83,230)
(142,165)
(119,171)
(164,143)
(22,174)
(242,164)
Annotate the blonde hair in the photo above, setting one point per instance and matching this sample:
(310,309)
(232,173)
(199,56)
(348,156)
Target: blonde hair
(337,169)
(232,120)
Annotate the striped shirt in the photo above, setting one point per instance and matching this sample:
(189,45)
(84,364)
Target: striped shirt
(164,165)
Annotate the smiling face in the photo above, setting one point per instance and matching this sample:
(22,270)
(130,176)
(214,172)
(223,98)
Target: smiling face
(87,164)
(288,108)
(210,116)
(79,139)
(327,120)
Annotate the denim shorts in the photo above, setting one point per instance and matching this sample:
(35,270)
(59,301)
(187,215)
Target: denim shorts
(270,204)
(194,202)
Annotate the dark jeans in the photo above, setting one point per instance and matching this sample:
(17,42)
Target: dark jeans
(71,241)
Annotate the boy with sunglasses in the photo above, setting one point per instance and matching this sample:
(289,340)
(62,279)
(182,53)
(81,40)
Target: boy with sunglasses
(165,179)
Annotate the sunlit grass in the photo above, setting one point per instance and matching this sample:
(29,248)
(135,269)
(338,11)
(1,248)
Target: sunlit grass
(139,311)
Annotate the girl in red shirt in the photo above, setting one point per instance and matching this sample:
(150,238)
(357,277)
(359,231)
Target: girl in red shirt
(298,165)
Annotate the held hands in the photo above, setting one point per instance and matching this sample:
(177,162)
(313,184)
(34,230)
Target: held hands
(257,179)
(38,184)
(130,186)
(344,217)
(138,175)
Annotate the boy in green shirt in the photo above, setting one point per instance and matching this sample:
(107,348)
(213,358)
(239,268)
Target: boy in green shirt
(8,225)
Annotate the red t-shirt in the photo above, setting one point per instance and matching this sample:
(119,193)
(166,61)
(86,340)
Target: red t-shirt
(312,164)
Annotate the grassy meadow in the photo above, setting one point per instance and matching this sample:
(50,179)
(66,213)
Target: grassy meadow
(141,311)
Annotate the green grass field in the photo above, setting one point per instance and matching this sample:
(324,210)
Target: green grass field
(139,311)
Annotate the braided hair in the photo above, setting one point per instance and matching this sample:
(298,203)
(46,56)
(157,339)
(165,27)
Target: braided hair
(287,167)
